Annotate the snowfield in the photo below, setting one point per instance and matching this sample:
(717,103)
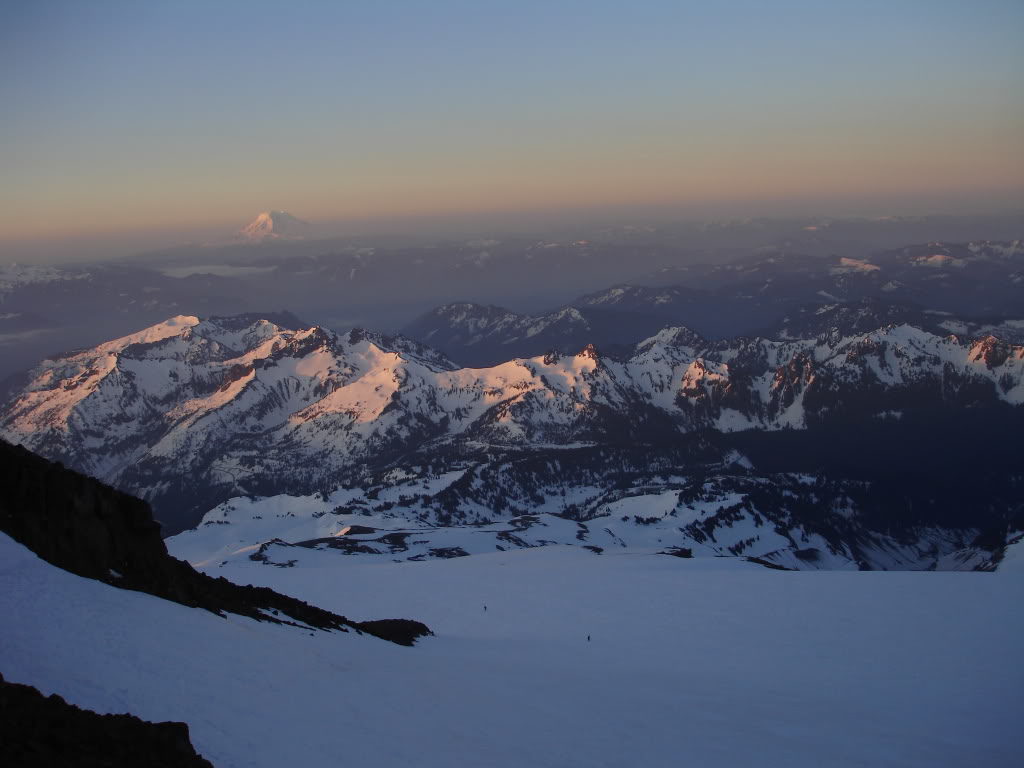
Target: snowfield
(707,662)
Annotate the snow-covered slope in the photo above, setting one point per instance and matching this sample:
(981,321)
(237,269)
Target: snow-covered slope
(203,410)
(715,661)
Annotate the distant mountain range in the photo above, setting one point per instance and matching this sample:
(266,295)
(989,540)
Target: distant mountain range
(631,287)
(191,413)
(969,289)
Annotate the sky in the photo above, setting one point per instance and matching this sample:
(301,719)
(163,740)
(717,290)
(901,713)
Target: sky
(134,117)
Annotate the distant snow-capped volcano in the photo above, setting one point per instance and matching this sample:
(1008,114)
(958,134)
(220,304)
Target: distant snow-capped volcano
(274,224)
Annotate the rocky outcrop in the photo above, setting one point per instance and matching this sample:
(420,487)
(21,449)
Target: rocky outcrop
(47,732)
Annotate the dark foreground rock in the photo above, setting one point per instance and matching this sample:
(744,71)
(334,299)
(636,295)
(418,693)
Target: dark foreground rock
(46,731)
(83,526)
(401,631)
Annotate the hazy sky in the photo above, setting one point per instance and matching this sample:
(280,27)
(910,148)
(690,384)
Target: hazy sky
(133,115)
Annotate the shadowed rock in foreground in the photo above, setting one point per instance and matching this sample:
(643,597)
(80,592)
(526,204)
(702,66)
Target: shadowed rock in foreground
(46,731)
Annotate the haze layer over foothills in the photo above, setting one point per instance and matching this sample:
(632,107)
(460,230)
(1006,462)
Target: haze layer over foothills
(555,384)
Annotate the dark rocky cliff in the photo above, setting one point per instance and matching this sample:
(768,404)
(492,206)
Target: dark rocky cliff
(47,732)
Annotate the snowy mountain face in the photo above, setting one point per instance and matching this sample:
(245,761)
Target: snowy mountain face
(183,387)
(274,225)
(191,413)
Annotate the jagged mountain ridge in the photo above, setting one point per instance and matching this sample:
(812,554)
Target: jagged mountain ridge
(197,411)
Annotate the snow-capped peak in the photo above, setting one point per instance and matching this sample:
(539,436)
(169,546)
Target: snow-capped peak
(274,224)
